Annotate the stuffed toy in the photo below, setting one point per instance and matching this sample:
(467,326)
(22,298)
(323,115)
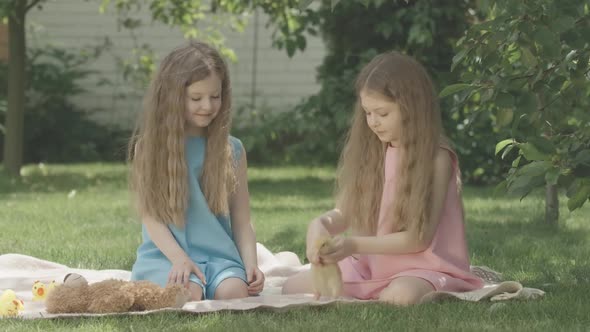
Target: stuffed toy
(40,290)
(10,305)
(75,295)
(326,278)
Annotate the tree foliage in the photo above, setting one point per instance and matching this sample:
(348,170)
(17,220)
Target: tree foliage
(208,21)
(354,32)
(528,64)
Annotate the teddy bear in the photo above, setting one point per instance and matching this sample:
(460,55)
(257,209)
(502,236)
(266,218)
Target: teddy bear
(75,295)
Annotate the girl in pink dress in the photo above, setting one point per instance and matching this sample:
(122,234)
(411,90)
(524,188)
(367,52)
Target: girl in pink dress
(398,194)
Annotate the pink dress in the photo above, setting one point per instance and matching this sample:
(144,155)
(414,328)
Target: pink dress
(445,263)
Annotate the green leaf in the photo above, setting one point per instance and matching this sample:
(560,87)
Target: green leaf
(501,145)
(575,38)
(552,176)
(385,28)
(548,40)
(562,23)
(486,95)
(527,178)
(504,100)
(543,35)
(507,151)
(527,103)
(583,157)
(103,6)
(528,59)
(572,188)
(534,169)
(485,26)
(580,196)
(526,27)
(522,185)
(454,88)
(531,153)
(301,42)
(334,3)
(516,161)
(542,144)
(366,3)
(291,47)
(515,124)
(504,117)
(303,4)
(500,188)
(458,58)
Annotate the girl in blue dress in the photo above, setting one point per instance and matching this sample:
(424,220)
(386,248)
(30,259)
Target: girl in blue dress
(188,176)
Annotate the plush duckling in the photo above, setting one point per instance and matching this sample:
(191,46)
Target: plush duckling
(40,290)
(326,278)
(10,305)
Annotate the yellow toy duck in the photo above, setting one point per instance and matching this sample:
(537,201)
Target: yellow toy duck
(40,290)
(326,278)
(10,305)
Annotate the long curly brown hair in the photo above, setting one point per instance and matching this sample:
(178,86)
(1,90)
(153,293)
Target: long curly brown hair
(158,176)
(361,168)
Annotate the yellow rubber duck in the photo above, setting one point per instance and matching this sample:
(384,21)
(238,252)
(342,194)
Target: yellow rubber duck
(10,305)
(326,278)
(40,290)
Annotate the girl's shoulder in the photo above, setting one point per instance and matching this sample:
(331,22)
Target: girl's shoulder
(447,153)
(235,142)
(237,147)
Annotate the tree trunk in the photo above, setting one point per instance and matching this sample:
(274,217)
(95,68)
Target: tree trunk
(551,197)
(13,141)
(551,205)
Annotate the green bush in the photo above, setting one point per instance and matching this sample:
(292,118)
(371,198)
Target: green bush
(527,65)
(56,130)
(313,132)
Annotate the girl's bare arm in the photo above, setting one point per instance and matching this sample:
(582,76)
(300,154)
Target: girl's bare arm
(163,238)
(240,216)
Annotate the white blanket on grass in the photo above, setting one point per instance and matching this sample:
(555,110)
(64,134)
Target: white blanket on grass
(19,272)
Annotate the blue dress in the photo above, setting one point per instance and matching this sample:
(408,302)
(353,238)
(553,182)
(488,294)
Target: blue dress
(206,238)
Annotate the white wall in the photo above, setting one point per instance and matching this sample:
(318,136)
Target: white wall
(280,81)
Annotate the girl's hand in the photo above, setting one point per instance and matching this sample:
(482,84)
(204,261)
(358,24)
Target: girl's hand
(313,253)
(340,247)
(255,280)
(181,271)
(312,249)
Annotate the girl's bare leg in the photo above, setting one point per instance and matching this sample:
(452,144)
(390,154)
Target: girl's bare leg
(299,284)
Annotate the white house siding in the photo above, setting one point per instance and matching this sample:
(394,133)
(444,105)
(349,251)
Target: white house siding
(281,81)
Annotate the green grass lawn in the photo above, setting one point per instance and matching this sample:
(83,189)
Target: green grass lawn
(78,215)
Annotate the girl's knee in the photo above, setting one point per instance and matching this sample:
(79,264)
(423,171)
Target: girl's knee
(289,286)
(297,284)
(231,288)
(196,291)
(402,298)
(405,292)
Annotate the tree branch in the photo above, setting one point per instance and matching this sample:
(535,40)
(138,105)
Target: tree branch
(31,5)
(545,72)
(559,94)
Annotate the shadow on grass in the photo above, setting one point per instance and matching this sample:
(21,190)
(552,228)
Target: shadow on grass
(61,181)
(290,208)
(66,179)
(311,187)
